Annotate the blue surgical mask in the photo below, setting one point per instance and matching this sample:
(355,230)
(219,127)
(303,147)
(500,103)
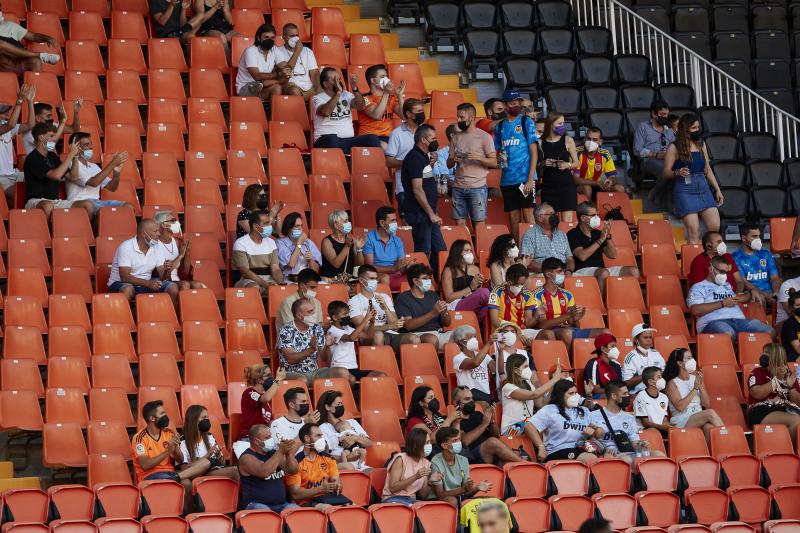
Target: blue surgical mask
(88,154)
(347,227)
(372,285)
(457,447)
(559,279)
(425,285)
(266,232)
(296,232)
(51,146)
(151,242)
(392,229)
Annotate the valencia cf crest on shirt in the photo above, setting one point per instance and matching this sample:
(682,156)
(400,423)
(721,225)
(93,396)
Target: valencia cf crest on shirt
(518,128)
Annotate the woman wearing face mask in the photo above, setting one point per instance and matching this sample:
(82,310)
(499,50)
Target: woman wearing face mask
(257,399)
(521,397)
(774,391)
(347,440)
(255,199)
(198,443)
(423,412)
(565,425)
(341,250)
(790,329)
(688,398)
(473,365)
(462,281)
(509,337)
(696,191)
(503,253)
(604,367)
(295,250)
(560,159)
(409,475)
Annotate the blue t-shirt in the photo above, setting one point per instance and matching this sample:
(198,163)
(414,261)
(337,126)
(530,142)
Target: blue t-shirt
(707,292)
(756,268)
(383,255)
(517,151)
(558,432)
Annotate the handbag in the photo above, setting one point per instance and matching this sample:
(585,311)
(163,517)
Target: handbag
(613,213)
(621,439)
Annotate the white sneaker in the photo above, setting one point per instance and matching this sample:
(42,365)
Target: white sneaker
(50,59)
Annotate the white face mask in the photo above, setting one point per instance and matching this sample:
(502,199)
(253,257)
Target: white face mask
(756,244)
(661,384)
(573,401)
(309,320)
(428,449)
(310,293)
(595,222)
(175,227)
(515,289)
(690,365)
(293,41)
(513,253)
(472,344)
(559,279)
(720,278)
(722,248)
(269,444)
(526,373)
(425,285)
(371,285)
(613,353)
(591,146)
(383,82)
(509,338)
(469,258)
(320,445)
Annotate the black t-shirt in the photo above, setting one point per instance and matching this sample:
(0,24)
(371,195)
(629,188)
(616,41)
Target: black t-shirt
(174,22)
(474,420)
(37,184)
(417,165)
(790,331)
(578,239)
(406,304)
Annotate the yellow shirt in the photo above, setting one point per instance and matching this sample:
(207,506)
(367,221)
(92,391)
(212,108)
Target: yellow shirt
(593,167)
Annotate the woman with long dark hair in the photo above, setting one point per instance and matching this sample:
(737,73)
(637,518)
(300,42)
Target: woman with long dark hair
(423,412)
(688,398)
(295,250)
(560,159)
(347,440)
(409,474)
(198,444)
(696,191)
(462,281)
(774,391)
(503,253)
(255,199)
(520,397)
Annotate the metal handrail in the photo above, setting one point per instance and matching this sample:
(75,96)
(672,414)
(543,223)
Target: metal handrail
(673,62)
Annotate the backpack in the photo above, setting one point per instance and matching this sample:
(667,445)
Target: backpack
(498,130)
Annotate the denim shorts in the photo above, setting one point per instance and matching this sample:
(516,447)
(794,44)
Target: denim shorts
(118,286)
(470,202)
(107,203)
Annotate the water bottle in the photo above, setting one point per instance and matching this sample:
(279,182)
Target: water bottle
(502,158)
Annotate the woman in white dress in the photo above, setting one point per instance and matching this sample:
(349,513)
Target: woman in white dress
(688,398)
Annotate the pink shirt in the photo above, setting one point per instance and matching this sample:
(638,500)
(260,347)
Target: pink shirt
(471,174)
(410,467)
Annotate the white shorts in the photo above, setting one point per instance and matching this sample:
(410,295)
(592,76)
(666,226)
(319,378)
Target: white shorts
(530,333)
(10,180)
(589,271)
(442,337)
(681,419)
(57,204)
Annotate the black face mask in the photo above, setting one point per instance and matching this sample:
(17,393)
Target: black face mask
(338,411)
(268,382)
(624,402)
(344,321)
(433,406)
(266,44)
(468,408)
(500,115)
(302,410)
(796,312)
(419,118)
(763,361)
(662,121)
(553,220)
(162,422)
(261,203)
(204,426)
(432,147)
(695,135)
(462,125)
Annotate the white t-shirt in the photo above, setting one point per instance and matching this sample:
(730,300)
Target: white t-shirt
(7,150)
(141,263)
(332,436)
(284,429)
(635,362)
(168,253)
(340,122)
(679,418)
(476,378)
(81,191)
(514,410)
(621,421)
(250,247)
(653,408)
(305,64)
(12,30)
(783,296)
(359,305)
(343,354)
(706,292)
(561,433)
(200,450)
(252,57)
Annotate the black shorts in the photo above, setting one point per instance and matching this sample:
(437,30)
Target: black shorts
(757,413)
(358,373)
(480,396)
(566,453)
(513,200)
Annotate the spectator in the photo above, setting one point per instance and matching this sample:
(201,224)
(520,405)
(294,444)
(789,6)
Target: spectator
(254,76)
(650,142)
(642,356)
(409,476)
(218,22)
(565,425)
(44,171)
(590,244)
(493,517)
(132,271)
(333,119)
(545,240)
(604,367)
(384,250)
(480,433)
(425,314)
(305,75)
(515,140)
(650,405)
(199,448)
(256,402)
(401,141)
(521,397)
(445,177)
(596,525)
(462,281)
(255,199)
(695,189)
(175,252)
(503,253)
(473,154)
(9,129)
(381,103)
(341,337)
(455,485)
(495,111)
(316,483)
(287,427)
(773,391)
(346,439)
(262,469)
(85,178)
(506,346)
(14,56)
(790,329)
(528,109)
(43,114)
(617,423)
(689,402)
(595,162)
(713,246)
(423,412)
(295,250)
(256,256)
(673,121)
(785,308)
(420,204)
(558,306)
(170,19)
(473,366)
(307,284)
(514,303)
(384,331)
(716,306)
(756,266)
(341,250)
(560,160)
(300,343)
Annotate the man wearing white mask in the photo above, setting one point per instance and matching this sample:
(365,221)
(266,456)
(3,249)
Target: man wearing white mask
(305,72)
(255,255)
(642,356)
(716,306)
(317,479)
(473,364)
(596,170)
(307,283)
(383,103)
(756,265)
(384,331)
(262,468)
(174,251)
(590,241)
(85,178)
(713,246)
(605,366)
(426,314)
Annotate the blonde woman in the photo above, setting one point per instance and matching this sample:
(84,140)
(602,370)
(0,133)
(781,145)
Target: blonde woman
(257,397)
(520,397)
(341,250)
(774,391)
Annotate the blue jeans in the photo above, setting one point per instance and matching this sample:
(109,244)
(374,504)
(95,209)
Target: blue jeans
(403,500)
(346,143)
(579,333)
(277,508)
(470,203)
(107,203)
(173,476)
(117,286)
(734,326)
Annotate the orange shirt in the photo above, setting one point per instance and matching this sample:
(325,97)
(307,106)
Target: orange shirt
(381,127)
(311,474)
(145,445)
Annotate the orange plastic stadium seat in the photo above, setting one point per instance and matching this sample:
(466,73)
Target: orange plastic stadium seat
(688,253)
(669,320)
(123,138)
(620,509)
(586,290)
(27,505)
(244,303)
(366,187)
(207,52)
(623,292)
(204,367)
(570,477)
(621,321)
(370,161)
(201,165)
(63,445)
(46,23)
(411,74)
(205,192)
(327,188)
(199,304)
(659,259)
(120,501)
(366,49)
(72,252)
(166,111)
(207,137)
(163,137)
(392,517)
(665,290)
(771,438)
(165,83)
(67,373)
(283,16)
(127,25)
(83,83)
(786,498)
(330,50)
(24,342)
(20,409)
(58,7)
(126,54)
(329,21)
(258,520)
(247,21)
(216,494)
(66,405)
(286,108)
(654,232)
(379,358)
(21,374)
(113,338)
(110,405)
(112,308)
(751,346)
(162,497)
(88,25)
(610,200)
(156,308)
(108,468)
(571,510)
(205,395)
(420,359)
(112,371)
(721,380)
(72,223)
(73,502)
(662,508)
(158,337)
(687,442)
(207,83)
(159,369)
(444,102)
(47,87)
(28,224)
(287,134)
(28,282)
(24,311)
(707,505)
(166,54)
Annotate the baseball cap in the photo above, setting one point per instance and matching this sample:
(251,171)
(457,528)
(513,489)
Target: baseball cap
(511,94)
(603,339)
(638,329)
(4,107)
